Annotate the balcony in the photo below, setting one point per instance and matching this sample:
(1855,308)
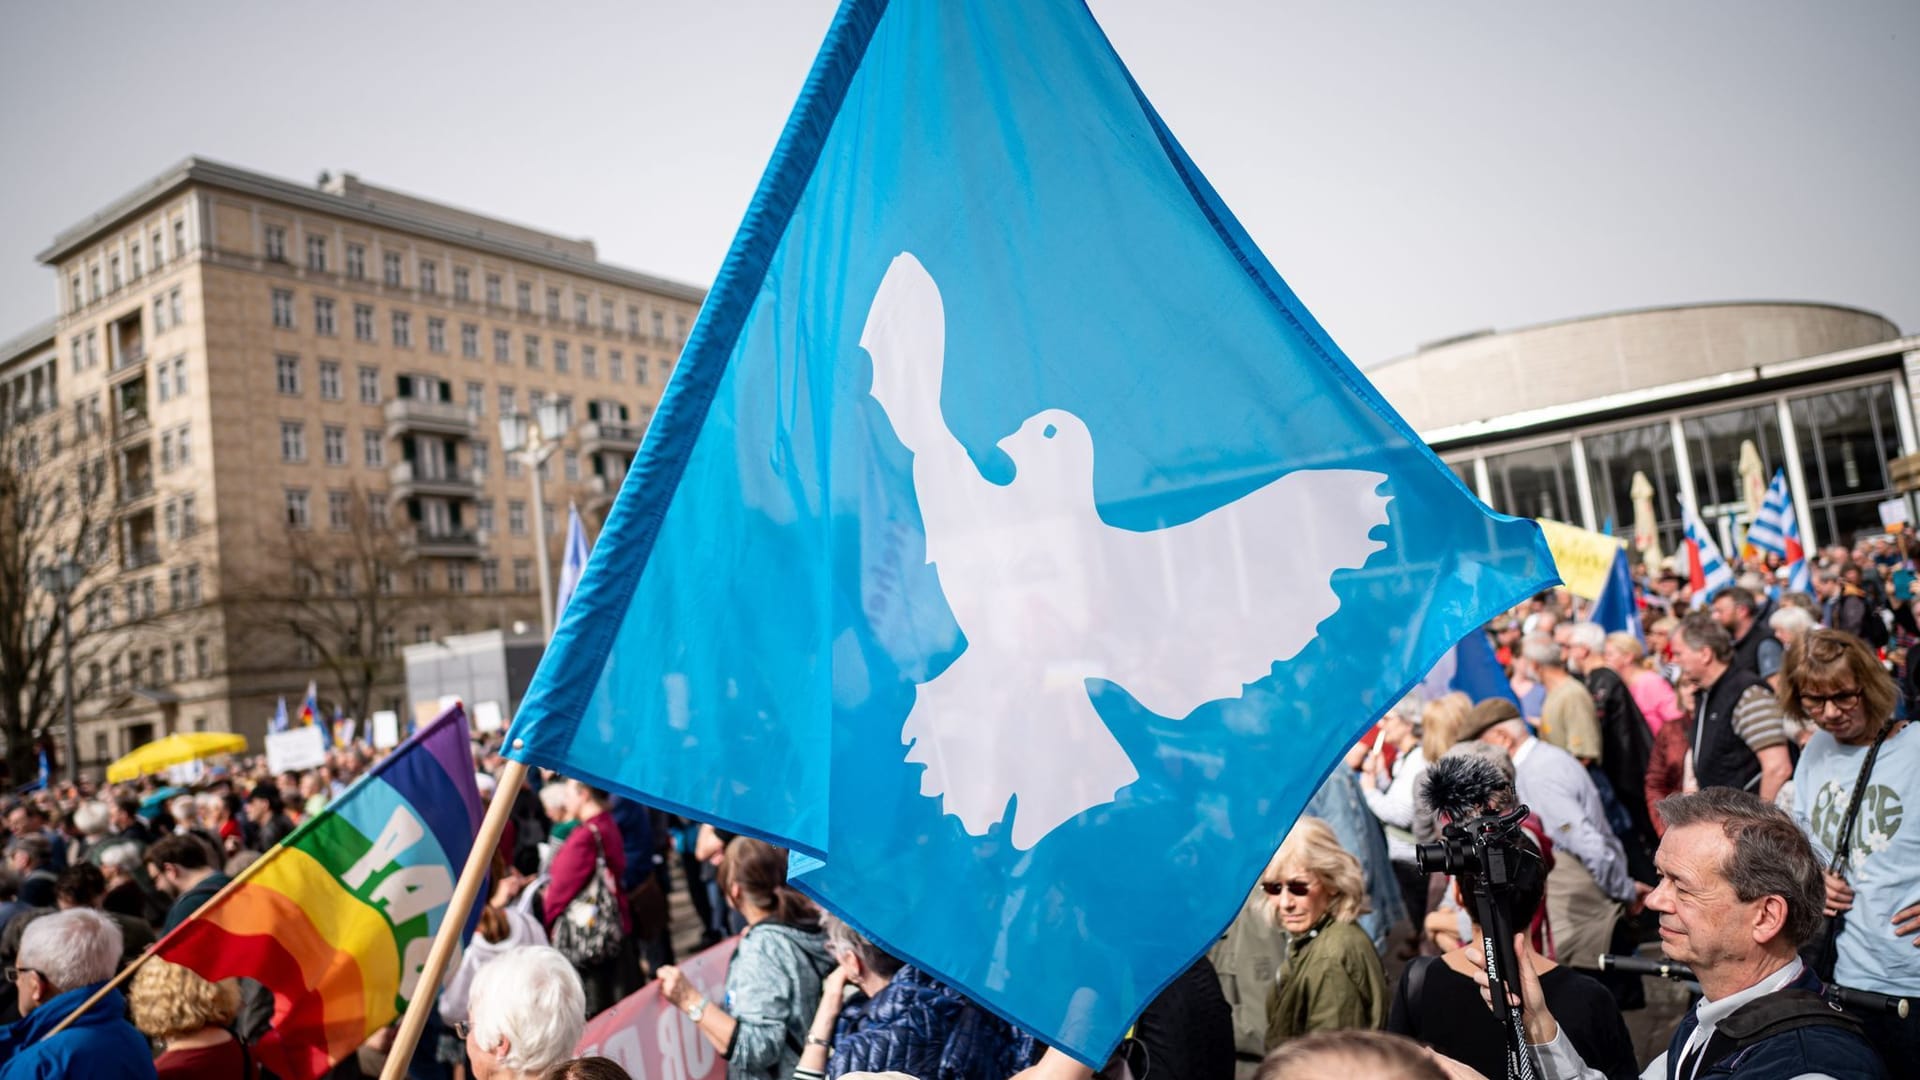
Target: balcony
(408,479)
(129,358)
(449,543)
(131,423)
(598,436)
(135,489)
(141,555)
(410,416)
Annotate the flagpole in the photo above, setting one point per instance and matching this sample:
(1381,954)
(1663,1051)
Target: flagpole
(127,972)
(478,860)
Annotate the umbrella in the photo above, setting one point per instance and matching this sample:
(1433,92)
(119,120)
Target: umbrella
(175,750)
(148,804)
(1646,536)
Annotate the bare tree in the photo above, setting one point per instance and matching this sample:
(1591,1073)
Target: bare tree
(337,596)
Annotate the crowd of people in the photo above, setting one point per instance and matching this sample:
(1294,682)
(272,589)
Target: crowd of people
(1729,788)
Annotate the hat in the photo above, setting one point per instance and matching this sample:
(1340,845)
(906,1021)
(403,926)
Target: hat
(1487,714)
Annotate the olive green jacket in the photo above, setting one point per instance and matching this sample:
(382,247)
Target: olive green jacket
(1331,980)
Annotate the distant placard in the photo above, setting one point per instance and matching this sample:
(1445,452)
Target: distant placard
(386,729)
(296,748)
(424,713)
(1893,514)
(487,718)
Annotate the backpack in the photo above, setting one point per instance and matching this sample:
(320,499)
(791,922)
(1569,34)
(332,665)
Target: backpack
(588,932)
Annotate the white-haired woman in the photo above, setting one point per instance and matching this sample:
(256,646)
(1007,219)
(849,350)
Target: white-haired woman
(526,1011)
(1791,624)
(1330,978)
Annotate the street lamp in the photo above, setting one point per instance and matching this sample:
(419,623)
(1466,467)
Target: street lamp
(533,442)
(61,579)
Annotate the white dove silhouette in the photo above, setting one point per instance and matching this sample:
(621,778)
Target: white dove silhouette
(1050,596)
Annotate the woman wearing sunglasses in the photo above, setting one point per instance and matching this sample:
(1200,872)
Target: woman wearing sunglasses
(1330,978)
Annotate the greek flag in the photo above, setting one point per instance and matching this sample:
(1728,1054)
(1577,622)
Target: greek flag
(1707,572)
(279,715)
(1775,520)
(1011,543)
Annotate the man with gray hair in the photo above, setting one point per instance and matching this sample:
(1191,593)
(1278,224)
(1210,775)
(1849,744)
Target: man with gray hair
(526,1010)
(64,958)
(1740,892)
(1739,733)
(1567,720)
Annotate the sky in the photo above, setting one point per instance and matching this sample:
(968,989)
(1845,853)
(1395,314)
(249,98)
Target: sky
(1415,171)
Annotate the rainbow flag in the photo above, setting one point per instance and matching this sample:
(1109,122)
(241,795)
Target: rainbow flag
(338,919)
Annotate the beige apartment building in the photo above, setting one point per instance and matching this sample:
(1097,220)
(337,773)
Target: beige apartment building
(272,370)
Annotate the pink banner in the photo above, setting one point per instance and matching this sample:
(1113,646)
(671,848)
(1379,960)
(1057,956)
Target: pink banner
(655,1041)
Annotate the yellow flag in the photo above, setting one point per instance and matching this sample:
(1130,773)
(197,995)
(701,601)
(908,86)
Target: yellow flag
(1582,556)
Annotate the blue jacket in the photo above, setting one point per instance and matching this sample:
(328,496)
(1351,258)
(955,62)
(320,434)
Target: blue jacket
(1795,1052)
(99,1045)
(923,1028)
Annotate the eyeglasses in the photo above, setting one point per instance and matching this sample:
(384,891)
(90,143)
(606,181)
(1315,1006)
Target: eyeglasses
(14,973)
(462,1029)
(1298,887)
(1816,704)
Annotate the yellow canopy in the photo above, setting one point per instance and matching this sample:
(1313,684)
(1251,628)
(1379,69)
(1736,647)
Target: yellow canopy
(175,750)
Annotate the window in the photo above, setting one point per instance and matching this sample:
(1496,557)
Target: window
(329,380)
(340,510)
(179,376)
(293,441)
(606,315)
(403,329)
(561,363)
(1613,457)
(93,348)
(1535,483)
(680,328)
(479,451)
(483,515)
(490,575)
(493,290)
(333,444)
(173,307)
(159,251)
(189,518)
(533,350)
(357,261)
(159,314)
(392,266)
(470,341)
(180,659)
(580,309)
(79,297)
(297,516)
(363,322)
(551,519)
(133,256)
(286,373)
(659,325)
(422,633)
(476,398)
(180,238)
(1846,438)
(553,303)
(633,319)
(276,243)
(283,309)
(202,656)
(165,385)
(423,573)
(171,517)
(502,347)
(429,276)
(523,575)
(377,517)
(639,369)
(506,401)
(456,577)
(184,443)
(317,253)
(369,385)
(589,362)
(572,470)
(323,316)
(616,370)
(166,451)
(113,273)
(389,643)
(436,334)
(462,291)
(373,447)
(523,297)
(517,517)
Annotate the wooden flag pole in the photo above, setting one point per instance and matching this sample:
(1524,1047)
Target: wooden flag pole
(127,972)
(427,989)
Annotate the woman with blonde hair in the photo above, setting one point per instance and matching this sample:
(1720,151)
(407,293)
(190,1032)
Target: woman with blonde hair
(1440,723)
(1330,977)
(1649,689)
(192,1020)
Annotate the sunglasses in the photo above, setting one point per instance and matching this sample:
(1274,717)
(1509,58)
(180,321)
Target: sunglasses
(1298,887)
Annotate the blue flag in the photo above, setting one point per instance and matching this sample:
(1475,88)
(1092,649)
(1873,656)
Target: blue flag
(1010,543)
(1471,668)
(1616,608)
(573,563)
(279,715)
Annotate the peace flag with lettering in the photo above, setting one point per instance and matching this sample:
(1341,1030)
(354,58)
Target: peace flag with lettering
(337,920)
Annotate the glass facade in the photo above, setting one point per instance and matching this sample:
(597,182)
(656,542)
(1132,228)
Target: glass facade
(1846,438)
(1536,483)
(1612,459)
(1713,453)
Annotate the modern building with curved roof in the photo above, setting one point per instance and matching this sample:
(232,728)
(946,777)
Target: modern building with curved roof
(1554,420)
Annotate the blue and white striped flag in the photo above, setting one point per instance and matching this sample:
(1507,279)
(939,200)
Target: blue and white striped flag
(1774,519)
(573,563)
(1707,571)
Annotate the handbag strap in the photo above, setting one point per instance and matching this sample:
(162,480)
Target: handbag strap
(1843,845)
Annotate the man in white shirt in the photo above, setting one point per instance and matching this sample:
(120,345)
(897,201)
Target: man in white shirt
(1740,892)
